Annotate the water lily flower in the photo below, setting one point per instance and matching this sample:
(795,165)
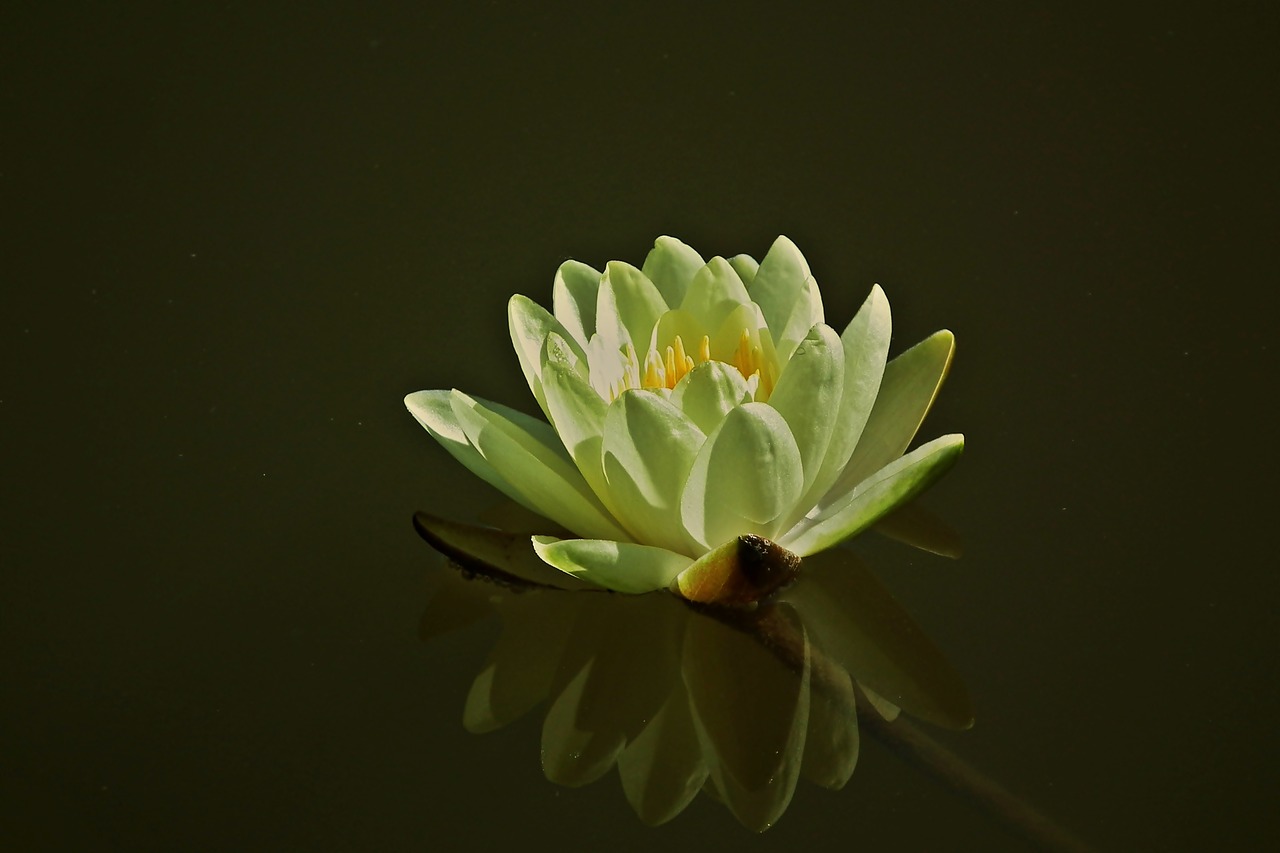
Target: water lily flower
(700,413)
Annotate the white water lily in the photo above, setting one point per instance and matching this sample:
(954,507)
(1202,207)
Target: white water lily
(690,403)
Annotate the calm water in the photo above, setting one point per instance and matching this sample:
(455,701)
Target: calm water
(239,238)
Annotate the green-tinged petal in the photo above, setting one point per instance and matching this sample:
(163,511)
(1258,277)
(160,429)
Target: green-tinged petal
(433,410)
(671,265)
(747,476)
(649,447)
(808,397)
(530,324)
(714,292)
(539,470)
(911,382)
(627,306)
(577,412)
(619,566)
(866,346)
(709,391)
(573,299)
(746,267)
(787,294)
(876,496)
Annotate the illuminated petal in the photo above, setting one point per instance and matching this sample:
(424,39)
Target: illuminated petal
(577,412)
(530,324)
(433,410)
(619,566)
(708,393)
(747,475)
(876,496)
(787,294)
(714,292)
(627,306)
(808,397)
(865,343)
(746,267)
(649,447)
(911,382)
(573,299)
(671,265)
(530,457)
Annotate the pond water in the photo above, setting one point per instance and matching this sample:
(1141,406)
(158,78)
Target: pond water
(240,237)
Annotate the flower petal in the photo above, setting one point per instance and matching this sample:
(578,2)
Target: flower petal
(747,476)
(649,447)
(911,382)
(675,323)
(535,464)
(619,566)
(876,496)
(714,292)
(746,267)
(787,294)
(808,397)
(866,346)
(709,391)
(433,410)
(577,412)
(530,324)
(573,299)
(671,265)
(627,306)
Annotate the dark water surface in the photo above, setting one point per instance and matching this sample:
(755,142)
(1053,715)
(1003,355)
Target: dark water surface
(237,238)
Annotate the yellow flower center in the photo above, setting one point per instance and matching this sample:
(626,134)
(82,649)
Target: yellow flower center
(666,369)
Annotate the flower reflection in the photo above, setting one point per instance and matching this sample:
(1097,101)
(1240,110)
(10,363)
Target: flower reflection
(736,702)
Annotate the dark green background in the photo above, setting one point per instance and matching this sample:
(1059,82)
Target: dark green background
(235,239)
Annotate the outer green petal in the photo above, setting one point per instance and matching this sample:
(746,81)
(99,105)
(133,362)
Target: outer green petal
(573,299)
(628,305)
(866,346)
(671,265)
(577,412)
(709,391)
(787,294)
(531,458)
(808,397)
(746,267)
(619,566)
(714,292)
(649,447)
(875,497)
(747,476)
(530,324)
(911,382)
(433,411)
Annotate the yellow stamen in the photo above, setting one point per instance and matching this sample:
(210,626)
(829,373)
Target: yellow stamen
(653,373)
(704,349)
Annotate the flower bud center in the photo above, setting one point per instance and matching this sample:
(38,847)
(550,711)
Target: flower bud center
(665,369)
